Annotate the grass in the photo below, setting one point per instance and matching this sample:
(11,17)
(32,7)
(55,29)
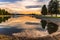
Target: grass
(49,16)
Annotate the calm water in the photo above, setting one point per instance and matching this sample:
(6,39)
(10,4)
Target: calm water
(14,24)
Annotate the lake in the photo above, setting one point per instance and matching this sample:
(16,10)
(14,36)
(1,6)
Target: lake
(20,23)
(14,24)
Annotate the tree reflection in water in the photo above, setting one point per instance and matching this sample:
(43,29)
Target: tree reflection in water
(51,27)
(43,23)
(3,19)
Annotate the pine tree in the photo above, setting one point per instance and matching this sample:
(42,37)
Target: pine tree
(4,12)
(50,7)
(53,7)
(44,10)
(0,12)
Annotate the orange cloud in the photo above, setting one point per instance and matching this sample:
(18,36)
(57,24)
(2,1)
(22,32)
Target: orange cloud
(20,6)
(31,12)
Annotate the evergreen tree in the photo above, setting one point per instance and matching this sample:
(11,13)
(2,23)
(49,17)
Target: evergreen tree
(50,7)
(44,10)
(1,12)
(53,7)
(4,12)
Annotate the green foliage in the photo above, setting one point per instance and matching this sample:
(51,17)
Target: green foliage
(52,27)
(4,12)
(53,7)
(44,10)
(0,12)
(43,23)
(50,7)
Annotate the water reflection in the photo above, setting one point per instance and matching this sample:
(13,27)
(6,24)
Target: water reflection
(15,24)
(9,31)
(51,27)
(9,25)
(3,19)
(43,23)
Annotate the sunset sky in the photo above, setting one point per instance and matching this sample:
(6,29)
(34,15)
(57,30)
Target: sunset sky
(23,6)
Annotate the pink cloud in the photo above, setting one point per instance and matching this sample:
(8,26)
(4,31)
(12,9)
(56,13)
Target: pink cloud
(20,5)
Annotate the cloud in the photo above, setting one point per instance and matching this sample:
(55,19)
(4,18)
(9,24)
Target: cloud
(10,0)
(40,0)
(20,5)
(34,6)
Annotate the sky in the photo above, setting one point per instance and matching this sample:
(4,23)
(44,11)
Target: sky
(23,6)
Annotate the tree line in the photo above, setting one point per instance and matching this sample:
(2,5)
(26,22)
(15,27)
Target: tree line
(4,12)
(53,8)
